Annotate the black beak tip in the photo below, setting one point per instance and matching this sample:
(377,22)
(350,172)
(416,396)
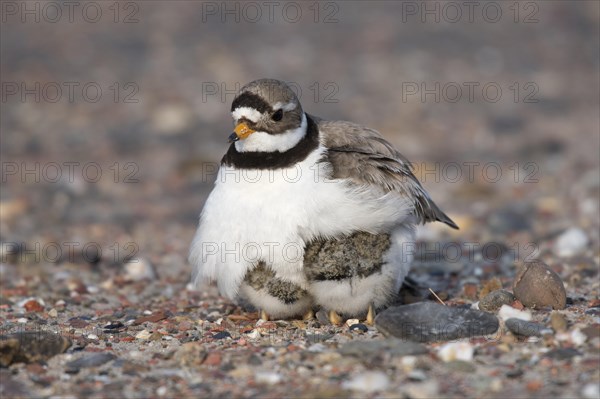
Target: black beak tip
(232,138)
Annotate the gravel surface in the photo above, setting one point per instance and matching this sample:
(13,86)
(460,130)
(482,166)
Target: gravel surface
(102,186)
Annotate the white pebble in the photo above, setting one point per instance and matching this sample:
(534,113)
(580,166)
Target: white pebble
(408,363)
(506,312)
(161,391)
(92,289)
(267,377)
(370,381)
(456,351)
(254,334)
(422,390)
(591,391)
(570,242)
(139,269)
(144,334)
(318,347)
(53,313)
(92,336)
(351,322)
(577,337)
(22,320)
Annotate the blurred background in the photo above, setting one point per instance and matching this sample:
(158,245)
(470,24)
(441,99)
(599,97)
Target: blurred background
(114,116)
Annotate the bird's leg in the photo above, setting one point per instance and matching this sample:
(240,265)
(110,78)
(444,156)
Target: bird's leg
(370,316)
(308,315)
(335,318)
(263,315)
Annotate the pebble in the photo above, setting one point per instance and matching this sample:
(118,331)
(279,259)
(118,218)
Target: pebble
(591,391)
(144,334)
(456,351)
(461,366)
(393,347)
(31,346)
(53,313)
(558,322)
(316,348)
(417,375)
(425,390)
(221,335)
(525,328)
(495,299)
(322,317)
(359,327)
(89,360)
(268,377)
(562,353)
(508,312)
(430,322)
(577,337)
(351,322)
(538,286)
(254,334)
(368,382)
(139,269)
(571,242)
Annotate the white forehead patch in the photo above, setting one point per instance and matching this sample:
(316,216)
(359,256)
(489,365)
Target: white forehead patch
(285,107)
(246,112)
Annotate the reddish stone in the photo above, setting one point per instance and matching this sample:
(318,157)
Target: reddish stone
(517,305)
(153,318)
(33,306)
(470,290)
(534,385)
(594,303)
(213,359)
(78,323)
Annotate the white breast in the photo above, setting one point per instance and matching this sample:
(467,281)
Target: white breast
(268,215)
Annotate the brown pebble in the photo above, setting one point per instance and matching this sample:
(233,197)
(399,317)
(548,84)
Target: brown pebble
(33,306)
(153,318)
(213,359)
(558,322)
(470,290)
(495,299)
(538,286)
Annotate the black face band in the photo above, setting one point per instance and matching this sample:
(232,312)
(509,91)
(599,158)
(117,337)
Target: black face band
(276,159)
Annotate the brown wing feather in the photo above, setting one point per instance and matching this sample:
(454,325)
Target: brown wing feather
(361,155)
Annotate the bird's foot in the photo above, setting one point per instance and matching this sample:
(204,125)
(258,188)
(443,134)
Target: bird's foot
(335,318)
(263,315)
(370,316)
(308,315)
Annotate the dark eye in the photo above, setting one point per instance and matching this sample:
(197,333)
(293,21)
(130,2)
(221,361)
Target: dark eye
(277,115)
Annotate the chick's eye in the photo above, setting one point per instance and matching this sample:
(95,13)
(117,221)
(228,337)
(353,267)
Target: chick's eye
(277,115)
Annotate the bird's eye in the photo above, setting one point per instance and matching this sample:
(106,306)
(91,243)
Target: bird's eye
(277,115)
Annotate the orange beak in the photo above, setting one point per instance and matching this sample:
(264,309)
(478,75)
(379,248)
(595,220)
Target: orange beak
(240,132)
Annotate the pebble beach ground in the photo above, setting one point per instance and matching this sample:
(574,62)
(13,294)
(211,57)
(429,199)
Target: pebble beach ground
(112,127)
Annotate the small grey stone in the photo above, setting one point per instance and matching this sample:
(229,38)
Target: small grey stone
(394,347)
(93,360)
(430,322)
(563,353)
(524,328)
(221,335)
(461,366)
(322,317)
(495,299)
